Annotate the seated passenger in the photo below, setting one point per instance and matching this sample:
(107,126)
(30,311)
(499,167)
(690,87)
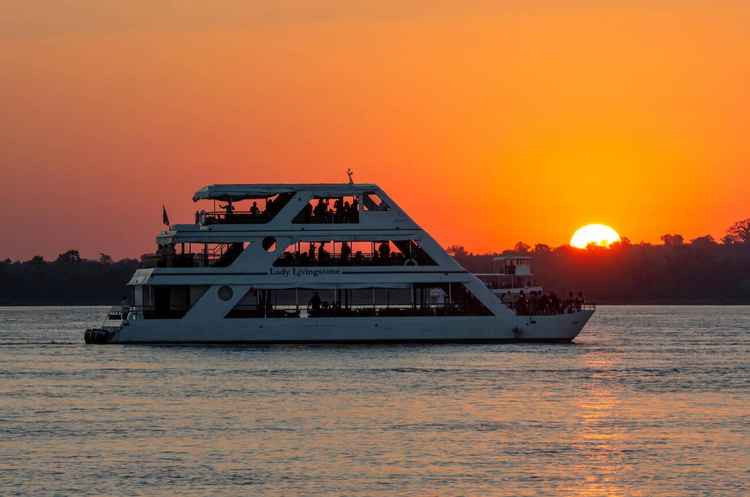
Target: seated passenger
(313,306)
(355,210)
(359,258)
(254,210)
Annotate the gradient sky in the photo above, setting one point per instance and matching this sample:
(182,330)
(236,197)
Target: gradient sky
(490,123)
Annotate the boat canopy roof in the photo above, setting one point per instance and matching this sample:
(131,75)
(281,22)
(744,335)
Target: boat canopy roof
(513,257)
(241,192)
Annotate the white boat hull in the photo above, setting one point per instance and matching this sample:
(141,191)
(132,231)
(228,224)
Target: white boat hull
(547,328)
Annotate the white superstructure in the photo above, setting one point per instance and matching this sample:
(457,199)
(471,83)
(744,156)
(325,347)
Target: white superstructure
(313,263)
(511,274)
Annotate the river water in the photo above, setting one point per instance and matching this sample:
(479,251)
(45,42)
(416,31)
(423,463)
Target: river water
(649,401)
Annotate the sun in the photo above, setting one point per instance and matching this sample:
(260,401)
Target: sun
(598,234)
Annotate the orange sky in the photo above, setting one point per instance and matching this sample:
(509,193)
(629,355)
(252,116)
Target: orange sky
(498,122)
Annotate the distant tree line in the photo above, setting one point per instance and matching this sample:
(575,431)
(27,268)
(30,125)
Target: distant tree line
(68,280)
(701,270)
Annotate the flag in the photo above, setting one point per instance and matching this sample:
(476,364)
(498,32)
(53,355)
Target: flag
(164,216)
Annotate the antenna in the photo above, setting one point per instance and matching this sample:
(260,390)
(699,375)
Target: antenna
(349,173)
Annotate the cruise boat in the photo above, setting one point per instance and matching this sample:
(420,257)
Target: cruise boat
(267,263)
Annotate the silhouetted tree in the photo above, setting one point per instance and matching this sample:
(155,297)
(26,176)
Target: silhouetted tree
(672,240)
(522,248)
(541,248)
(105,259)
(457,250)
(740,231)
(703,241)
(69,257)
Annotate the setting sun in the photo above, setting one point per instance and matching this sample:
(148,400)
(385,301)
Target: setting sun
(598,234)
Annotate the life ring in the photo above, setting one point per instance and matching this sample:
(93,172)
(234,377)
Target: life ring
(410,262)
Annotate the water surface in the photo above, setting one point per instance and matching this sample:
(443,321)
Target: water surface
(650,401)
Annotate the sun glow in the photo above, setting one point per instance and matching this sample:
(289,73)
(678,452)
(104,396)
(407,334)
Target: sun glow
(598,234)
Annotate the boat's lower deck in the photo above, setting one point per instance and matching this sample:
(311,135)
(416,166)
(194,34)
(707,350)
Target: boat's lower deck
(547,328)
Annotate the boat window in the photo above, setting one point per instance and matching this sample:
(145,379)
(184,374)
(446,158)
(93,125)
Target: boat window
(269,244)
(422,299)
(355,253)
(371,201)
(329,210)
(259,210)
(195,255)
(167,301)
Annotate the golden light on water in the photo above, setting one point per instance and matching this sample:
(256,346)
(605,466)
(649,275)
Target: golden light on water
(597,234)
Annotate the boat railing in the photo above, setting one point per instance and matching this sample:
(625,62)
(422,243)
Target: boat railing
(236,217)
(506,281)
(154,312)
(184,260)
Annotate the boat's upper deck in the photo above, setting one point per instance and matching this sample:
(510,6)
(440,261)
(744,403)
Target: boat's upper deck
(277,208)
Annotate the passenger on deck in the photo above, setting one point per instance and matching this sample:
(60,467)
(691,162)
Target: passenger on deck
(307,213)
(355,210)
(124,308)
(533,303)
(254,210)
(320,211)
(554,303)
(384,250)
(313,307)
(579,301)
(311,253)
(338,208)
(328,212)
(269,207)
(543,303)
(229,208)
(522,305)
(507,299)
(323,256)
(569,303)
(346,252)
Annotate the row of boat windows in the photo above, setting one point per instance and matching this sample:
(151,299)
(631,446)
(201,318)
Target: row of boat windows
(319,210)
(304,253)
(424,299)
(347,253)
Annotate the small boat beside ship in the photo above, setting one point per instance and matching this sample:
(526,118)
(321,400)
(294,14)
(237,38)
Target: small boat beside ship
(291,263)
